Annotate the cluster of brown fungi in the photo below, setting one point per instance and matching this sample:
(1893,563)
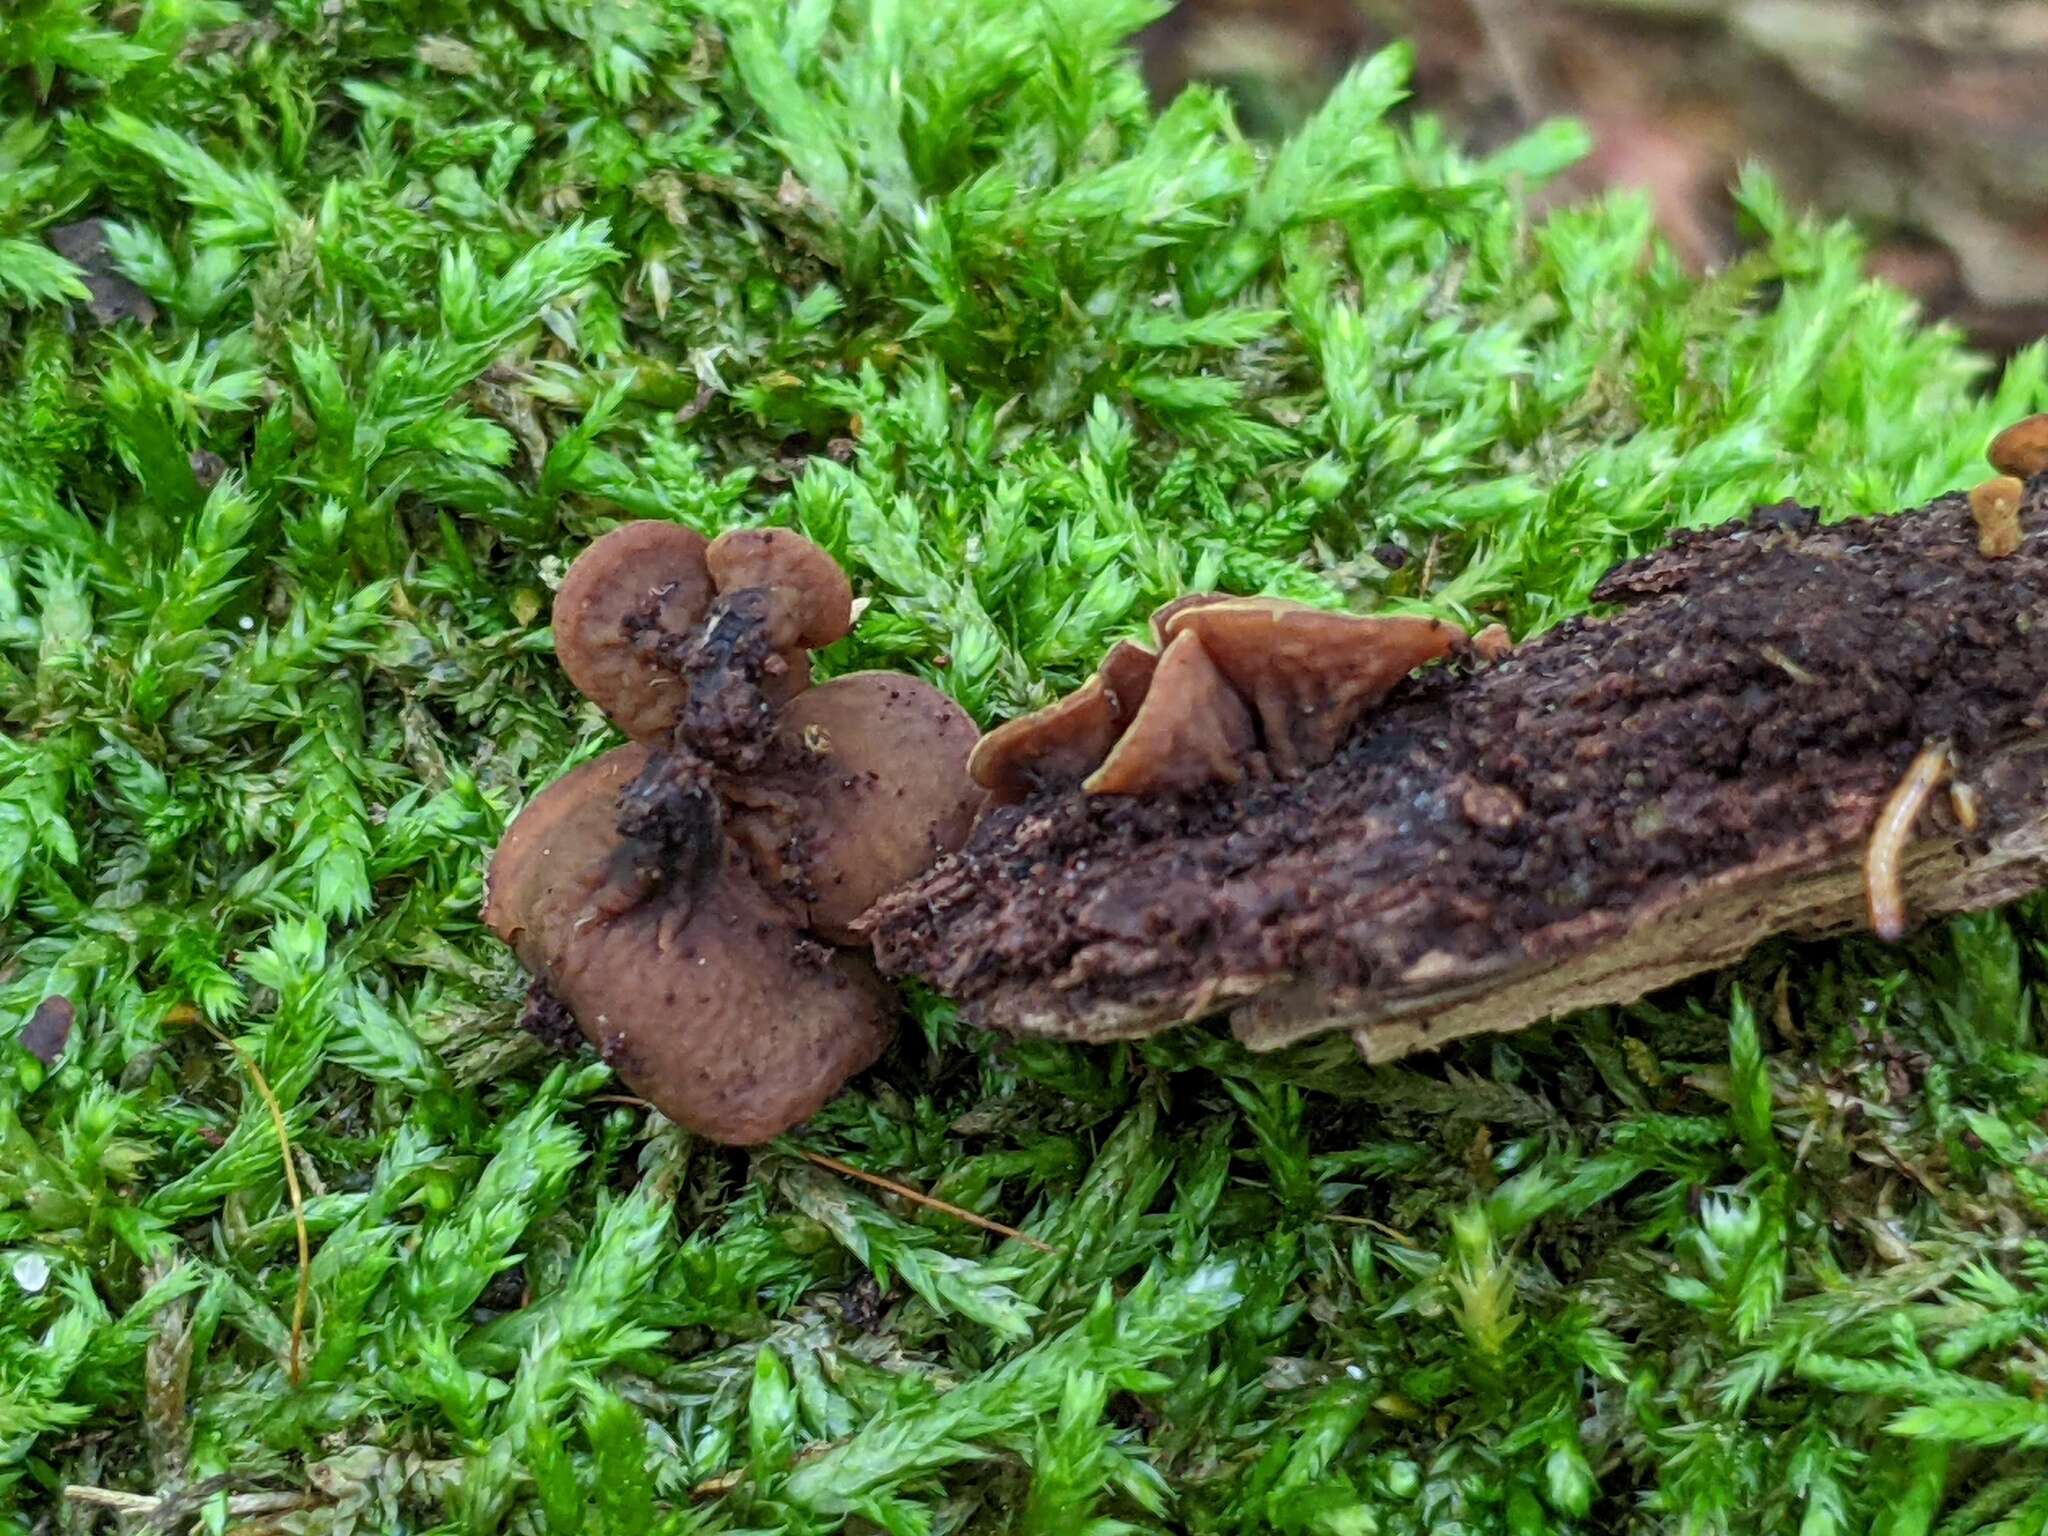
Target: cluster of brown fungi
(693,900)
(689,898)
(1240,687)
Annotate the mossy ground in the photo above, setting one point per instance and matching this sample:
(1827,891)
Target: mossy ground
(442,289)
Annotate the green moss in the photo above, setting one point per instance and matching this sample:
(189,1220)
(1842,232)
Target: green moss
(442,290)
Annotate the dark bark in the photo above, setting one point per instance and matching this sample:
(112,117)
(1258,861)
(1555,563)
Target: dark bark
(1623,802)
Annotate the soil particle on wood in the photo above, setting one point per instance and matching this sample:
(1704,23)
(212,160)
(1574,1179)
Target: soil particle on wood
(1730,731)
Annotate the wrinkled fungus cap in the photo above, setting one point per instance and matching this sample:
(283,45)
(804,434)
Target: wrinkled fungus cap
(1052,748)
(816,598)
(1163,617)
(1059,746)
(1307,674)
(653,574)
(547,874)
(1192,730)
(709,1001)
(1263,672)
(864,794)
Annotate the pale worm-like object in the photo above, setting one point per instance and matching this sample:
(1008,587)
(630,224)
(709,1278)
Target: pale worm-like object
(1888,839)
(1962,800)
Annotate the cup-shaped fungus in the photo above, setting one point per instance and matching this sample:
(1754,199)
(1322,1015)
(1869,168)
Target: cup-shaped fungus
(2021,450)
(1065,742)
(1191,731)
(1244,688)
(1308,675)
(682,896)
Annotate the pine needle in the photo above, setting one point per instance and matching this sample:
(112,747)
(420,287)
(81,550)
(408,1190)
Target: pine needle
(298,1199)
(917,1197)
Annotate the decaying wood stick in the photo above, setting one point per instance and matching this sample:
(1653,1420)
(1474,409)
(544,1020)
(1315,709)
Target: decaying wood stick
(1627,801)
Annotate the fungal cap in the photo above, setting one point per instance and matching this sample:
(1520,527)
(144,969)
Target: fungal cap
(651,570)
(1309,675)
(709,1002)
(877,789)
(731,1021)
(1192,731)
(2021,450)
(559,860)
(1059,746)
(1162,618)
(815,591)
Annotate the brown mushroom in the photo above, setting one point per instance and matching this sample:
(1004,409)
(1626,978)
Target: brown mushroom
(1191,731)
(1059,746)
(707,998)
(1051,748)
(807,581)
(867,789)
(636,584)
(2021,450)
(1309,675)
(541,884)
(672,894)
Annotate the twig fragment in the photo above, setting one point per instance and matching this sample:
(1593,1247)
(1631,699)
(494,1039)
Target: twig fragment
(156,1506)
(1963,800)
